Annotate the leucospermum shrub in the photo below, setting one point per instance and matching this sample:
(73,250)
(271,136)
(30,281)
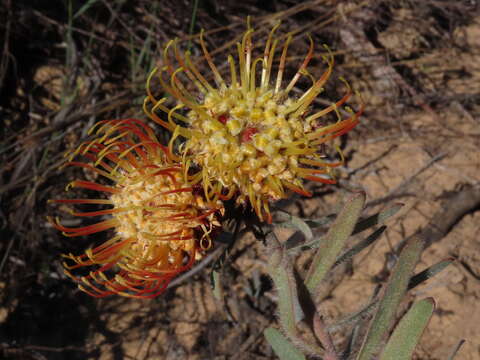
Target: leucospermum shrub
(161,223)
(252,141)
(250,138)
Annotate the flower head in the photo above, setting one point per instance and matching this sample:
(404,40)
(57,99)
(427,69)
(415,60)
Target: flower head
(160,221)
(250,137)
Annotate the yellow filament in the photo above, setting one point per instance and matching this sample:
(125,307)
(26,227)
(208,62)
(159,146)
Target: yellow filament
(151,113)
(270,62)
(268,53)
(281,67)
(251,195)
(171,112)
(185,96)
(308,171)
(114,139)
(182,94)
(339,125)
(241,67)
(206,184)
(175,134)
(197,73)
(218,77)
(312,93)
(247,48)
(333,107)
(233,71)
(188,71)
(159,105)
(274,184)
(252,76)
(165,57)
(148,87)
(98,171)
(301,68)
(129,150)
(258,207)
(106,129)
(96,126)
(106,151)
(267,209)
(187,163)
(293,150)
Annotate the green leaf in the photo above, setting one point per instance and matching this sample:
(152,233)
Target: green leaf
(292,221)
(293,244)
(408,332)
(290,312)
(360,246)
(376,219)
(428,273)
(354,318)
(284,349)
(289,309)
(334,241)
(414,282)
(393,295)
(323,221)
(362,225)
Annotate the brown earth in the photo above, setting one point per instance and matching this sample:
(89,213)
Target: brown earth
(418,143)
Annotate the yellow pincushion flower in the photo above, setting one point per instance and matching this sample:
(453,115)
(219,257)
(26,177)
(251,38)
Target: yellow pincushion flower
(160,221)
(250,138)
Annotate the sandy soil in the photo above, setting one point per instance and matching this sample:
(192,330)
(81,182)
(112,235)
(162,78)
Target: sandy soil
(417,144)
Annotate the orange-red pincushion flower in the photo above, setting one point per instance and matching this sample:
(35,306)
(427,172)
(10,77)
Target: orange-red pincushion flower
(160,222)
(250,137)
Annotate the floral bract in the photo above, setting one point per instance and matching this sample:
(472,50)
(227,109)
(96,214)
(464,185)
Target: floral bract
(251,137)
(160,221)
